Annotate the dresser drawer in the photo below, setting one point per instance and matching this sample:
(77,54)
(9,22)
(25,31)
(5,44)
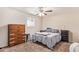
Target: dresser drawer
(16,34)
(65,35)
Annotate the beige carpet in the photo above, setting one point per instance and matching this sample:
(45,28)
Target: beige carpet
(34,47)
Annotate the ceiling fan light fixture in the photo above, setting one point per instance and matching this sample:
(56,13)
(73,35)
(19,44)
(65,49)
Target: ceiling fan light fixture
(41,14)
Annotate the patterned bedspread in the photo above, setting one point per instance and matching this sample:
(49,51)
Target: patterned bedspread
(49,39)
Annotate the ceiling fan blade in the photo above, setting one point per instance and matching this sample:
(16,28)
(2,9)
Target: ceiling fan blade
(49,11)
(36,14)
(45,14)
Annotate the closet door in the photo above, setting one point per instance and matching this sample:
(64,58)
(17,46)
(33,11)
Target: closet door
(16,34)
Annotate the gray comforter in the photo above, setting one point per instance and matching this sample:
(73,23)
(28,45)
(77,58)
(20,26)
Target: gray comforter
(49,39)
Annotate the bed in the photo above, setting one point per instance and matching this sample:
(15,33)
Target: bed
(48,38)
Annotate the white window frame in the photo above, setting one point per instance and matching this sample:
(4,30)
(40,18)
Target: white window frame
(30,22)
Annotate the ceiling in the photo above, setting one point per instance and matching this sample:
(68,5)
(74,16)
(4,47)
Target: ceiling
(56,10)
(35,10)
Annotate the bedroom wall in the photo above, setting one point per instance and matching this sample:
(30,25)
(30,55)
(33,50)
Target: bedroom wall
(66,19)
(13,16)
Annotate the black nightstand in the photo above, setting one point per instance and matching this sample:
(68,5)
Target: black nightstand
(65,35)
(27,35)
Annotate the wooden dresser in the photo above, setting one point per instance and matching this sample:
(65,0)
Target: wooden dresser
(16,34)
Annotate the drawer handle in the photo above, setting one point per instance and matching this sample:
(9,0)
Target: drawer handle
(12,34)
(23,39)
(12,42)
(24,36)
(12,38)
(23,33)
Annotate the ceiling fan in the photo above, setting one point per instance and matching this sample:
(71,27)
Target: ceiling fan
(42,11)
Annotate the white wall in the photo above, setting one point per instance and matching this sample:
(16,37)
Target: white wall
(14,16)
(64,18)
(3,36)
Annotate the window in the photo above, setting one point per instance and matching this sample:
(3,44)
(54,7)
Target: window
(30,22)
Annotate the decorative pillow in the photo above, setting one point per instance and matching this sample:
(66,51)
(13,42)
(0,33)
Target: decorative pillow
(52,30)
(42,30)
(49,30)
(55,30)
